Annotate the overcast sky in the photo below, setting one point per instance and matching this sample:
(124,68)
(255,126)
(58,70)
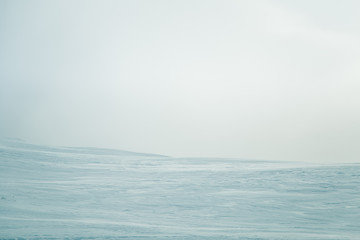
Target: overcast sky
(276,80)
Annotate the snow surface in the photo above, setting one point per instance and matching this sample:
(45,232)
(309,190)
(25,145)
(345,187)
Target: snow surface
(89,193)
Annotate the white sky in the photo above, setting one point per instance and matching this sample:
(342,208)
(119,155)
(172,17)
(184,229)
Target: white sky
(277,80)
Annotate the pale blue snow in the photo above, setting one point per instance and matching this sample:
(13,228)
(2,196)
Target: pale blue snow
(87,193)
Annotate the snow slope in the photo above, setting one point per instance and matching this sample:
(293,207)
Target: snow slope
(88,193)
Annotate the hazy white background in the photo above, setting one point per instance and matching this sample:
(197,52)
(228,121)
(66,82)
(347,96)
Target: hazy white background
(276,80)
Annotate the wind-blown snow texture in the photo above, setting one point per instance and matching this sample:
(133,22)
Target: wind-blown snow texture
(87,193)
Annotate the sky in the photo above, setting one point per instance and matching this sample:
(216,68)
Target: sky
(270,80)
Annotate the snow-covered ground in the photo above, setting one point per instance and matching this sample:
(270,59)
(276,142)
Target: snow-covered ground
(87,193)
